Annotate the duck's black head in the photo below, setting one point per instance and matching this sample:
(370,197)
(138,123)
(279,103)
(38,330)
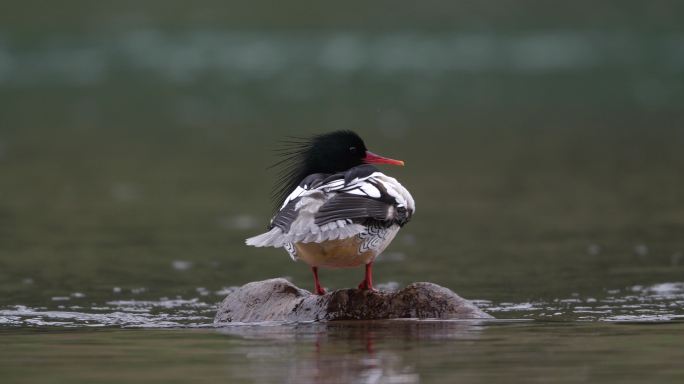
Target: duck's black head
(335,152)
(328,153)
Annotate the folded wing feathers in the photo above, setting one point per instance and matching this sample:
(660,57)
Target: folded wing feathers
(345,206)
(303,229)
(322,214)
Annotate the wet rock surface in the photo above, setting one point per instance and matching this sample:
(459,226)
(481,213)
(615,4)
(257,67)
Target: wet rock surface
(280,300)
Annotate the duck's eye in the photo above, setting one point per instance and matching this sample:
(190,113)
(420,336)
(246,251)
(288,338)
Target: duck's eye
(352,149)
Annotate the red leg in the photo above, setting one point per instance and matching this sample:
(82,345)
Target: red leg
(319,290)
(367,283)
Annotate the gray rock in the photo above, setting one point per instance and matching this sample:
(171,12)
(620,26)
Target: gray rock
(280,300)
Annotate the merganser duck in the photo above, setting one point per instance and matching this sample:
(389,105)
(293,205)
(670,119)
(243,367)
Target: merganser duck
(334,208)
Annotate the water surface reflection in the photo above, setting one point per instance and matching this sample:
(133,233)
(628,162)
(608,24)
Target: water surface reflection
(345,352)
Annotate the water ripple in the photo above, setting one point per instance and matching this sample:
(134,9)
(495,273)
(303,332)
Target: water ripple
(659,302)
(655,303)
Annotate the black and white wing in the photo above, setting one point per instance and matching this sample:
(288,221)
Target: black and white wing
(328,207)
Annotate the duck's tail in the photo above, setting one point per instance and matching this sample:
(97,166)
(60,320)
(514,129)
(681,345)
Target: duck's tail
(272,238)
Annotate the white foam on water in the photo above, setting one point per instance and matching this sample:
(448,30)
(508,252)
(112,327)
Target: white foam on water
(667,288)
(225,291)
(508,307)
(654,303)
(162,303)
(639,303)
(163,313)
(181,265)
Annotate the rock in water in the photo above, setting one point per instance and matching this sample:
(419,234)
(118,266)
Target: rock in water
(280,300)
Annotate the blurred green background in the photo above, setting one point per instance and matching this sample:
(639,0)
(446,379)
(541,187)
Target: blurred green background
(543,140)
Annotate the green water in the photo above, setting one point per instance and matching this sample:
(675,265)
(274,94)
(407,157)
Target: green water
(357,352)
(543,147)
